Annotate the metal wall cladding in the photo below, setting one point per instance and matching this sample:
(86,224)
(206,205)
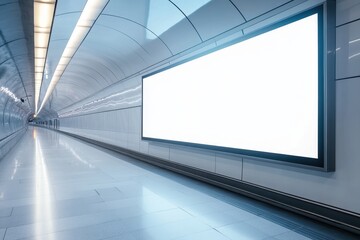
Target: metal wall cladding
(123,95)
(122,127)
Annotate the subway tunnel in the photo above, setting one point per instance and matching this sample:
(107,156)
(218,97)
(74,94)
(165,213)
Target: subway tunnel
(174,119)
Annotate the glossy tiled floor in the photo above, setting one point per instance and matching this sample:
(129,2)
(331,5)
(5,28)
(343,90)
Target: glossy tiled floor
(56,187)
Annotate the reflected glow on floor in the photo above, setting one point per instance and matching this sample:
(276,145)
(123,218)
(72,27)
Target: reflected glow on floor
(74,153)
(63,189)
(43,205)
(17,164)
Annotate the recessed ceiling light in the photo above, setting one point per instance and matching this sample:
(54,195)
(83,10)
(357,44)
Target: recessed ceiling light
(91,12)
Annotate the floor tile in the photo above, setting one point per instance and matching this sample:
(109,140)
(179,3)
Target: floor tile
(290,235)
(56,187)
(174,230)
(266,226)
(5,212)
(242,231)
(208,235)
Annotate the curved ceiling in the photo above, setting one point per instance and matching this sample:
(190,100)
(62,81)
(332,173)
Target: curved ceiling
(16,53)
(130,36)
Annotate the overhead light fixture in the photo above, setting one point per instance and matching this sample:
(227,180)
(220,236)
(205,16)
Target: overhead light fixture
(43,17)
(91,12)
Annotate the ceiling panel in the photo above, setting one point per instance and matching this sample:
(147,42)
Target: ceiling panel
(213,18)
(131,36)
(65,7)
(109,65)
(181,36)
(16,70)
(254,8)
(74,94)
(10,21)
(63,26)
(154,47)
(128,55)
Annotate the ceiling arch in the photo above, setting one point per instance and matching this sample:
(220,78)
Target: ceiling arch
(131,36)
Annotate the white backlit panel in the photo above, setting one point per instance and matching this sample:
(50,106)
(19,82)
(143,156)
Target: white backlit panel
(260,94)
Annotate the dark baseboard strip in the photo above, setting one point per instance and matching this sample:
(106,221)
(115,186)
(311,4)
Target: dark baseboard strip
(7,143)
(340,218)
(12,134)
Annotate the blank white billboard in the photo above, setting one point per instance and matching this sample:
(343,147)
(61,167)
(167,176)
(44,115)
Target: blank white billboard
(260,94)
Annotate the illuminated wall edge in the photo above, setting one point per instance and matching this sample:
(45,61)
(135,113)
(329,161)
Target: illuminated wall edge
(326,133)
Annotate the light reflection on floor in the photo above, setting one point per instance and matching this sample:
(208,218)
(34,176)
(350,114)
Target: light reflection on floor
(43,205)
(58,188)
(74,153)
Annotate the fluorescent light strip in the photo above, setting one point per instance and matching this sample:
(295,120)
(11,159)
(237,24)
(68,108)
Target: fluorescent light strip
(91,12)
(43,16)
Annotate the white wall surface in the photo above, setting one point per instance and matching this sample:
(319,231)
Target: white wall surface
(117,120)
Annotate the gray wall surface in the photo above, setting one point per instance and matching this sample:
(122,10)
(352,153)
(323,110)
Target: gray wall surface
(113,115)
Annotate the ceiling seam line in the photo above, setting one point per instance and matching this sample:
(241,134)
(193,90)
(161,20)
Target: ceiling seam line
(5,61)
(241,24)
(14,57)
(125,35)
(12,78)
(188,20)
(61,14)
(14,40)
(242,15)
(110,15)
(110,60)
(122,71)
(271,10)
(86,67)
(343,24)
(10,3)
(86,76)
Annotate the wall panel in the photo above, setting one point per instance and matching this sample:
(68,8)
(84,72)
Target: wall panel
(339,189)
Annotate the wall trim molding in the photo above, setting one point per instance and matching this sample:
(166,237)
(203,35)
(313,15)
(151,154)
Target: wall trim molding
(341,218)
(10,141)
(11,134)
